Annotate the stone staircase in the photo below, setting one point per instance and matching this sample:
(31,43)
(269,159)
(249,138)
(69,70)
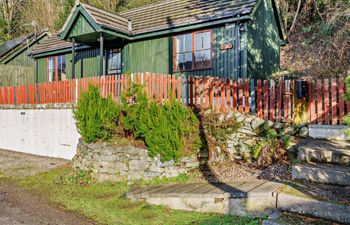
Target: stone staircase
(323,161)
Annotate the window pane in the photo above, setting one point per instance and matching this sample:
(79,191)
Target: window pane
(198,59)
(206,40)
(206,58)
(180,58)
(59,67)
(63,68)
(179,43)
(188,43)
(51,68)
(114,62)
(188,61)
(199,41)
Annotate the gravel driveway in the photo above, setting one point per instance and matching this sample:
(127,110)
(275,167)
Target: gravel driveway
(18,206)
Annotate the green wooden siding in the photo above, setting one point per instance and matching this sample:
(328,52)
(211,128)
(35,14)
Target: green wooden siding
(147,56)
(87,63)
(41,70)
(81,27)
(263,43)
(22,59)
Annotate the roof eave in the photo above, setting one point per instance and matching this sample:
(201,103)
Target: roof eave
(57,51)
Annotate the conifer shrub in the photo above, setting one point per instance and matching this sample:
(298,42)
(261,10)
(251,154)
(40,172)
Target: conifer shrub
(170,129)
(97,117)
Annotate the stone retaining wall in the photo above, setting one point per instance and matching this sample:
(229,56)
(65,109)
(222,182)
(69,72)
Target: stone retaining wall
(251,130)
(114,163)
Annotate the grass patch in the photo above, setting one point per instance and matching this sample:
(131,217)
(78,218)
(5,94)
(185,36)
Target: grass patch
(19,168)
(106,204)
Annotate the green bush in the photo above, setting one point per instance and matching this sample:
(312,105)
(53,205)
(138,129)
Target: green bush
(97,117)
(171,129)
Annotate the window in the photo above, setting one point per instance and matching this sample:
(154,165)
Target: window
(114,61)
(51,68)
(193,51)
(61,67)
(56,68)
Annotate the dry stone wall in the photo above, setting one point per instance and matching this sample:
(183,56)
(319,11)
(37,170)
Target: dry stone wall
(108,162)
(250,131)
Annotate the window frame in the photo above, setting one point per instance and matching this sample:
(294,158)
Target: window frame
(193,35)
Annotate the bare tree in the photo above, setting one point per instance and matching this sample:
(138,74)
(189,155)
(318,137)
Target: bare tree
(9,11)
(44,12)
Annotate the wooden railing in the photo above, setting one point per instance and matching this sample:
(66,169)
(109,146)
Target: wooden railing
(276,100)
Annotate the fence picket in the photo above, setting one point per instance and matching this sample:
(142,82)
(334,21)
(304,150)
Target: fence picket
(326,100)
(259,102)
(334,101)
(228,95)
(272,100)
(341,101)
(246,96)
(240,95)
(222,92)
(234,95)
(266,100)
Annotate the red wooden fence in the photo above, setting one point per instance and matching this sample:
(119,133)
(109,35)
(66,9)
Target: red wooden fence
(269,99)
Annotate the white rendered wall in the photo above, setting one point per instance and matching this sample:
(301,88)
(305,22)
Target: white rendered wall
(44,132)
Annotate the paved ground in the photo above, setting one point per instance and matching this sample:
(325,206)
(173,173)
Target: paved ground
(18,206)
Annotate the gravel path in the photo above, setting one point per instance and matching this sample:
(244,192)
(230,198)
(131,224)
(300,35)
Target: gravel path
(20,207)
(20,164)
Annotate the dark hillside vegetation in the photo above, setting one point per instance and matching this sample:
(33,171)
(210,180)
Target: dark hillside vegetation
(319,38)
(318,30)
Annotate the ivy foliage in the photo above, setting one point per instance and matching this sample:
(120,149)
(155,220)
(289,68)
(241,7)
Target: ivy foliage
(97,117)
(170,129)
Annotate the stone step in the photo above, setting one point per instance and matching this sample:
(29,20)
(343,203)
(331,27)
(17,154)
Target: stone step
(329,132)
(239,198)
(322,173)
(320,151)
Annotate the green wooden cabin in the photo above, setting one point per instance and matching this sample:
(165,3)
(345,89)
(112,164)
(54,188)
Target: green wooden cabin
(16,66)
(221,38)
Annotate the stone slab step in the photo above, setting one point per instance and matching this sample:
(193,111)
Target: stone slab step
(331,152)
(322,173)
(313,207)
(329,132)
(240,198)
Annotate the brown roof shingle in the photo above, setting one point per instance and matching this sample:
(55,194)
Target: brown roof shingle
(173,13)
(51,44)
(107,19)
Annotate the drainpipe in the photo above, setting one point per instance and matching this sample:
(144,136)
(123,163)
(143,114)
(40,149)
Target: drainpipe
(101,54)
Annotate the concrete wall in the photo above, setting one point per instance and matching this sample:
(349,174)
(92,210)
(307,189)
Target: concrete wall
(45,132)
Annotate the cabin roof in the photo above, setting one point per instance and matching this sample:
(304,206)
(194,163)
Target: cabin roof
(164,15)
(174,13)
(17,44)
(150,20)
(52,43)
